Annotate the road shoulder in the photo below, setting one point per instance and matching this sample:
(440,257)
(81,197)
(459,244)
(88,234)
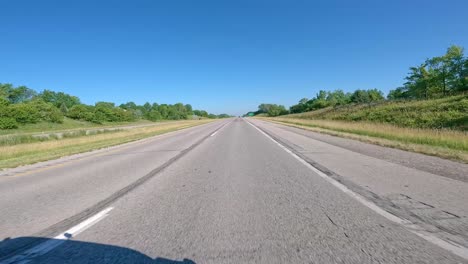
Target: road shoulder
(430,202)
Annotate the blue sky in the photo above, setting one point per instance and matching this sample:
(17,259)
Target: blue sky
(222,56)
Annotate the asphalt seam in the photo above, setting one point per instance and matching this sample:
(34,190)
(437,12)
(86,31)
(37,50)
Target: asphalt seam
(83,215)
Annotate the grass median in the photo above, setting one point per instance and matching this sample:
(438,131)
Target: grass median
(28,153)
(443,143)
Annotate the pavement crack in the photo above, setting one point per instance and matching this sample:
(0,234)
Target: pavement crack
(329,218)
(452,214)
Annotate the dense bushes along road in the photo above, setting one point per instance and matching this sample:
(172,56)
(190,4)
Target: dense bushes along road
(22,105)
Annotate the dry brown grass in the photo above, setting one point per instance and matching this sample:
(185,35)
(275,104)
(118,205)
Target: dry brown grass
(437,142)
(16,155)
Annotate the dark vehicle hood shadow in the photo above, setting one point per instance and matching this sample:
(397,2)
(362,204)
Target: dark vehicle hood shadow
(73,251)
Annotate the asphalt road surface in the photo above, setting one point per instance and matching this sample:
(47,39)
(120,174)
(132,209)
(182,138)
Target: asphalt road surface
(236,191)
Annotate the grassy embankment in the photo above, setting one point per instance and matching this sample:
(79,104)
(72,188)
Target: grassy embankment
(434,127)
(46,131)
(13,155)
(68,124)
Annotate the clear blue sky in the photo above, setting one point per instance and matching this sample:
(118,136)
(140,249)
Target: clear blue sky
(222,56)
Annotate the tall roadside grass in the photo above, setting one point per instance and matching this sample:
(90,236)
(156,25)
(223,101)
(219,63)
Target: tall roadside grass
(445,143)
(450,112)
(67,125)
(30,152)
(10,140)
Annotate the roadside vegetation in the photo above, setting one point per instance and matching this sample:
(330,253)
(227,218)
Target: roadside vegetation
(16,139)
(37,126)
(445,113)
(428,114)
(13,155)
(68,124)
(21,106)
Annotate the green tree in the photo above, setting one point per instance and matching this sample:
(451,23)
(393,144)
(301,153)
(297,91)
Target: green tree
(398,93)
(16,94)
(277,110)
(153,115)
(164,110)
(320,100)
(338,97)
(200,113)
(360,96)
(129,105)
(5,90)
(264,108)
(300,107)
(418,82)
(59,98)
(272,109)
(438,67)
(457,68)
(189,109)
(21,94)
(367,96)
(375,95)
(147,107)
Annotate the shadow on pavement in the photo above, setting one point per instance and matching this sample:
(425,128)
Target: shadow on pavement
(72,251)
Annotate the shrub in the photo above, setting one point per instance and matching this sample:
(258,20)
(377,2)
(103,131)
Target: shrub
(24,113)
(8,123)
(4,102)
(153,115)
(80,112)
(47,111)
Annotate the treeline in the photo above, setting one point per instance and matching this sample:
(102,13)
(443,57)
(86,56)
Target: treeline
(22,105)
(437,77)
(323,99)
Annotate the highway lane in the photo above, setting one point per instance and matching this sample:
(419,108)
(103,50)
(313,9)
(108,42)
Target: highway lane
(42,200)
(238,197)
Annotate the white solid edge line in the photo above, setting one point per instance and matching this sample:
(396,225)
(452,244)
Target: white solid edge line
(47,246)
(456,249)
